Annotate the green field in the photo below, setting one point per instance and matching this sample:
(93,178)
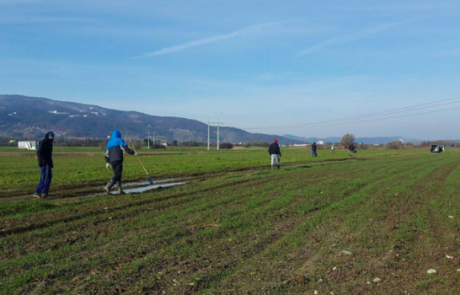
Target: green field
(237,227)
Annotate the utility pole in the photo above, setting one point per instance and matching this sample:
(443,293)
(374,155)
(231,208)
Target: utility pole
(209,135)
(148,139)
(218,139)
(217,124)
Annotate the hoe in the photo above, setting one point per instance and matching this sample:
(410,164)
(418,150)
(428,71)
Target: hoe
(149,177)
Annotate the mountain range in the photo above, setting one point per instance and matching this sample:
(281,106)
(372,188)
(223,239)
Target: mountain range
(31,117)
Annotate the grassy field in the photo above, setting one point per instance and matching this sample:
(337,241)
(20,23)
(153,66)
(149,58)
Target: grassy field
(76,167)
(373,225)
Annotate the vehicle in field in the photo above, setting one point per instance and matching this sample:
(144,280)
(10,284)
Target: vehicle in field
(28,145)
(436,148)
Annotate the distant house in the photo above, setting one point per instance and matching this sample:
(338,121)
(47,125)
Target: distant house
(28,145)
(320,142)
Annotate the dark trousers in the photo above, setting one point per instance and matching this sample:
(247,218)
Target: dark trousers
(118,173)
(314,154)
(46,175)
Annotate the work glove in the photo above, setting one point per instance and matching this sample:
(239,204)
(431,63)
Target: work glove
(108,166)
(136,154)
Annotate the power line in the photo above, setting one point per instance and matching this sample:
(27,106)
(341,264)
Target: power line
(402,110)
(393,117)
(387,113)
(379,119)
(344,120)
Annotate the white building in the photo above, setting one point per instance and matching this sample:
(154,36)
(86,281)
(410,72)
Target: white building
(320,142)
(28,145)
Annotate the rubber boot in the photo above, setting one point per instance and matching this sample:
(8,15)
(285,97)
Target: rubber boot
(120,189)
(109,186)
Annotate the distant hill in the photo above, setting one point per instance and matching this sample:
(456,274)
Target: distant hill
(366,140)
(31,117)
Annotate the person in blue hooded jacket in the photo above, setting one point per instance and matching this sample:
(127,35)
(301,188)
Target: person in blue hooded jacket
(116,147)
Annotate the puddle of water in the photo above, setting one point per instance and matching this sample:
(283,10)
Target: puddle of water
(144,183)
(143,189)
(130,184)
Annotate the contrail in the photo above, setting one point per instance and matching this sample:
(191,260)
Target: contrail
(212,39)
(349,38)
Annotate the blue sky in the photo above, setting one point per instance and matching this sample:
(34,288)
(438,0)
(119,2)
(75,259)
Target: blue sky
(251,63)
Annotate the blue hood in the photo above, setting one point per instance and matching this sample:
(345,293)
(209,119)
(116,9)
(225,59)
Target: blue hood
(116,140)
(116,134)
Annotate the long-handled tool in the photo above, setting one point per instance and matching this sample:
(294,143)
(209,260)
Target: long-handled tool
(149,177)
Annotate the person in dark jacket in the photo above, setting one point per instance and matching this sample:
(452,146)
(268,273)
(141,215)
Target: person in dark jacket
(351,150)
(45,163)
(114,159)
(275,153)
(313,150)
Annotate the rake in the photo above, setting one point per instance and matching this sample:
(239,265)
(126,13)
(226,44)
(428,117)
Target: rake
(149,177)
